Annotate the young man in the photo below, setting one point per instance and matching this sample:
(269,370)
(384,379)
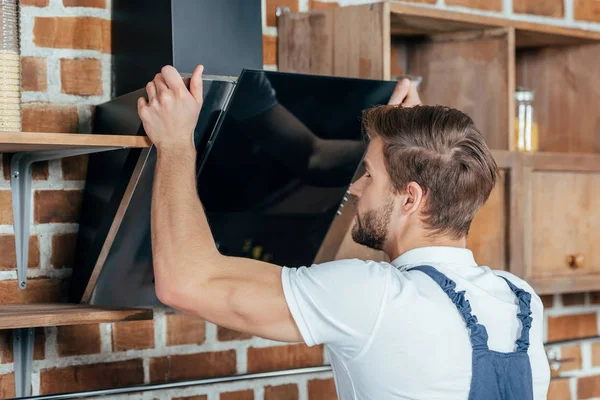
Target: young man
(431,324)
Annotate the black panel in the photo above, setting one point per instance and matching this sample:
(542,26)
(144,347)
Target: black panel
(141,42)
(282,161)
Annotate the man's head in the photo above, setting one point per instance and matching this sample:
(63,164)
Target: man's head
(428,171)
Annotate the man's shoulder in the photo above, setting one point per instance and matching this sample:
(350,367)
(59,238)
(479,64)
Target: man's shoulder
(352,270)
(520,283)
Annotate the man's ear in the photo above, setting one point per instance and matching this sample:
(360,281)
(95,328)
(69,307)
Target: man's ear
(413,197)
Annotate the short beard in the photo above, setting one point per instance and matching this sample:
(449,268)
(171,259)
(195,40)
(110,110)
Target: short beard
(371,229)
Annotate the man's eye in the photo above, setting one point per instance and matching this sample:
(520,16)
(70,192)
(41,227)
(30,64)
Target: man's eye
(368,175)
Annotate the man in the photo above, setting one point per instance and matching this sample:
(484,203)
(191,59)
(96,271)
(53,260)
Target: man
(431,324)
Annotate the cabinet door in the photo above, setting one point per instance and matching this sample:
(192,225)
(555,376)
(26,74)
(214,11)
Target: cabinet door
(488,234)
(352,41)
(562,223)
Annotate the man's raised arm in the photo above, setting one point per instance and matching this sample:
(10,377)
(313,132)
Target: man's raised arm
(190,273)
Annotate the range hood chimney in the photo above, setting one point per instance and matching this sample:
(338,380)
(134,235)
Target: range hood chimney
(223,35)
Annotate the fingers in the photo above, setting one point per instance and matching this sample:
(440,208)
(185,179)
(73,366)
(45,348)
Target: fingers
(141,105)
(196,84)
(161,85)
(400,92)
(173,79)
(412,98)
(151,90)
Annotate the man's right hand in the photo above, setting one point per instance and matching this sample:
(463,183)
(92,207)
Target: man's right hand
(171,112)
(405,94)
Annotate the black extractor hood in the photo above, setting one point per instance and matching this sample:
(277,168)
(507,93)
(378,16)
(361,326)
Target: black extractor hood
(276,154)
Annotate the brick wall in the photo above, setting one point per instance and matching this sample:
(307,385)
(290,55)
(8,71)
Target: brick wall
(66,65)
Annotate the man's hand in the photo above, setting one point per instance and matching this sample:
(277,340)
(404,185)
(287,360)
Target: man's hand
(405,94)
(171,113)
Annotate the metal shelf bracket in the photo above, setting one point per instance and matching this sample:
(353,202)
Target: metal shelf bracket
(23,340)
(20,183)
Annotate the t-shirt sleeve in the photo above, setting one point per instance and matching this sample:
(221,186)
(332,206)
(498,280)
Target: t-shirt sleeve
(337,303)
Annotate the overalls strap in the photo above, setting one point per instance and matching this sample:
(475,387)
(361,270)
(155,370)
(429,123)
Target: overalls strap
(479,335)
(524,315)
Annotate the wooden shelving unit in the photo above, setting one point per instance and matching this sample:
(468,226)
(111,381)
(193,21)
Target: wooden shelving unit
(475,63)
(30,147)
(12,142)
(14,316)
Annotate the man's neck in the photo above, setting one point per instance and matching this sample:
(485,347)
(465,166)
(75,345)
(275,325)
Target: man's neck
(402,245)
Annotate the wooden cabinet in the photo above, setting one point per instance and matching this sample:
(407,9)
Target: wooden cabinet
(541,220)
(560,222)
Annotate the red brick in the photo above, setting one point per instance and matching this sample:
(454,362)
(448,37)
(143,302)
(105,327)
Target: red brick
(262,359)
(322,389)
(423,1)
(75,168)
(587,10)
(185,329)
(90,377)
(85,3)
(135,335)
(35,3)
(487,5)
(547,301)
(595,354)
(44,117)
(76,340)
(37,291)
(319,5)
(82,77)
(224,334)
(34,77)
(549,8)
(192,366)
(39,170)
(57,206)
(570,352)
(63,250)
(269,50)
(6,345)
(559,390)
(572,326)
(7,386)
(239,395)
(8,261)
(6,215)
(201,397)
(86,33)
(588,387)
(271,9)
(573,299)
(282,392)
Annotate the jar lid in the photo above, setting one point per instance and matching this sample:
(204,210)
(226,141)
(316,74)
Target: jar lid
(523,94)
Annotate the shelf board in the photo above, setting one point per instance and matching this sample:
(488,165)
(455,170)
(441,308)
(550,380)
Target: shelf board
(12,142)
(409,20)
(58,314)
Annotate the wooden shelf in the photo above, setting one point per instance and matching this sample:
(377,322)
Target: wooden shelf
(58,314)
(409,20)
(12,142)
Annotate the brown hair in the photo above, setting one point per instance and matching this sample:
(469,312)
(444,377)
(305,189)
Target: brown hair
(440,149)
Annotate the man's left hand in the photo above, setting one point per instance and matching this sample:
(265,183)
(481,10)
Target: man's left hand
(405,94)
(171,112)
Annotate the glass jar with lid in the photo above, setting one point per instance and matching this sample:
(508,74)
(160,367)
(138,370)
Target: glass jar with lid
(526,127)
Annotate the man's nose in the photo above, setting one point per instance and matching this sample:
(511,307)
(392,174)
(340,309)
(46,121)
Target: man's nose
(356,187)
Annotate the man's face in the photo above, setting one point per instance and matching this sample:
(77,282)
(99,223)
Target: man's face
(374,201)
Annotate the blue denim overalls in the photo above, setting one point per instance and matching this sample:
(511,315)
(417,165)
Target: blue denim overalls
(496,376)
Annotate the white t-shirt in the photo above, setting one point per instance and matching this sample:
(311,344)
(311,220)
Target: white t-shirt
(394,334)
